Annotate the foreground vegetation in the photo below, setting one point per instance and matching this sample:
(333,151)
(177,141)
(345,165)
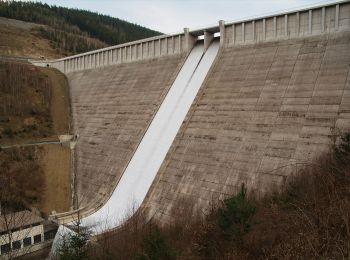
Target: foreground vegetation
(74,30)
(308,219)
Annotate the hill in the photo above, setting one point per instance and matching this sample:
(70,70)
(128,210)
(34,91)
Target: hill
(22,39)
(72,30)
(34,107)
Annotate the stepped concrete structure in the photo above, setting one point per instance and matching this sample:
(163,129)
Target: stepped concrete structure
(275,98)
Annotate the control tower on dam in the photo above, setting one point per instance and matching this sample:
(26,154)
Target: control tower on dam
(274,95)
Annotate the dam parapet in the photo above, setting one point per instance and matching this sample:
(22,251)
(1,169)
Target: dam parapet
(311,21)
(150,48)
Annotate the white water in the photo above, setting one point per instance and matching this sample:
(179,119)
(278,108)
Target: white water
(144,165)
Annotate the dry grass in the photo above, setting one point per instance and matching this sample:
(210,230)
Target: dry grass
(310,219)
(34,105)
(24,41)
(25,98)
(21,178)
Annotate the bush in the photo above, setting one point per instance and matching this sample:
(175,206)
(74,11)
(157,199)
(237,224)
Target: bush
(8,132)
(342,150)
(235,217)
(155,246)
(74,247)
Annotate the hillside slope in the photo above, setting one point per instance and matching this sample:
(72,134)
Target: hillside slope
(21,39)
(34,107)
(73,30)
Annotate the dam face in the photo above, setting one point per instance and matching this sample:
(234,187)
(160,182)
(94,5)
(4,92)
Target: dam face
(265,110)
(112,108)
(275,98)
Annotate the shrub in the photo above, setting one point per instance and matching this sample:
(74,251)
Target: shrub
(235,217)
(155,246)
(74,247)
(342,150)
(8,132)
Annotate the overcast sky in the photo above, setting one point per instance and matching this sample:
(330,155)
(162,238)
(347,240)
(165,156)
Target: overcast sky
(169,16)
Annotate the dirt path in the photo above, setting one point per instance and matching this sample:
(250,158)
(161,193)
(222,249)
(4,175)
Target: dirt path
(55,158)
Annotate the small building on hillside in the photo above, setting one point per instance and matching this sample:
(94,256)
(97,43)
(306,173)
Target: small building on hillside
(24,232)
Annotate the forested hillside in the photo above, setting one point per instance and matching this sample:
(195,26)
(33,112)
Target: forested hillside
(74,30)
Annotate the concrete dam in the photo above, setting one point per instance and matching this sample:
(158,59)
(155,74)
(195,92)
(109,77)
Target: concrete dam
(191,116)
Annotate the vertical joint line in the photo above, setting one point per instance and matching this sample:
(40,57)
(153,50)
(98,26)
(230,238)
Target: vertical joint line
(264,29)
(298,23)
(310,22)
(286,25)
(233,34)
(243,33)
(336,17)
(323,19)
(253,24)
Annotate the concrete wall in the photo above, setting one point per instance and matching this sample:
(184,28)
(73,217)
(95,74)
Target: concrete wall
(265,109)
(303,23)
(112,108)
(155,47)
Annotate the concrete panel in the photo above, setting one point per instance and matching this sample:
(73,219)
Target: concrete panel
(330,19)
(229,35)
(259,31)
(133,49)
(171,45)
(316,21)
(177,44)
(344,16)
(303,23)
(281,33)
(270,30)
(292,25)
(156,48)
(249,32)
(145,50)
(238,34)
(163,46)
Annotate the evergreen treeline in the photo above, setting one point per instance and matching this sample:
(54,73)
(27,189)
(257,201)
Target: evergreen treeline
(65,23)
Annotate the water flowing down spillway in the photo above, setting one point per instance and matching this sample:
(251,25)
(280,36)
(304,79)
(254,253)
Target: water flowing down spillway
(144,165)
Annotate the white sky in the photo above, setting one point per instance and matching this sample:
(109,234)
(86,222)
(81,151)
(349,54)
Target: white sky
(169,16)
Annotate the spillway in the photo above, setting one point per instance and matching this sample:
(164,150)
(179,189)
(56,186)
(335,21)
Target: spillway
(144,165)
